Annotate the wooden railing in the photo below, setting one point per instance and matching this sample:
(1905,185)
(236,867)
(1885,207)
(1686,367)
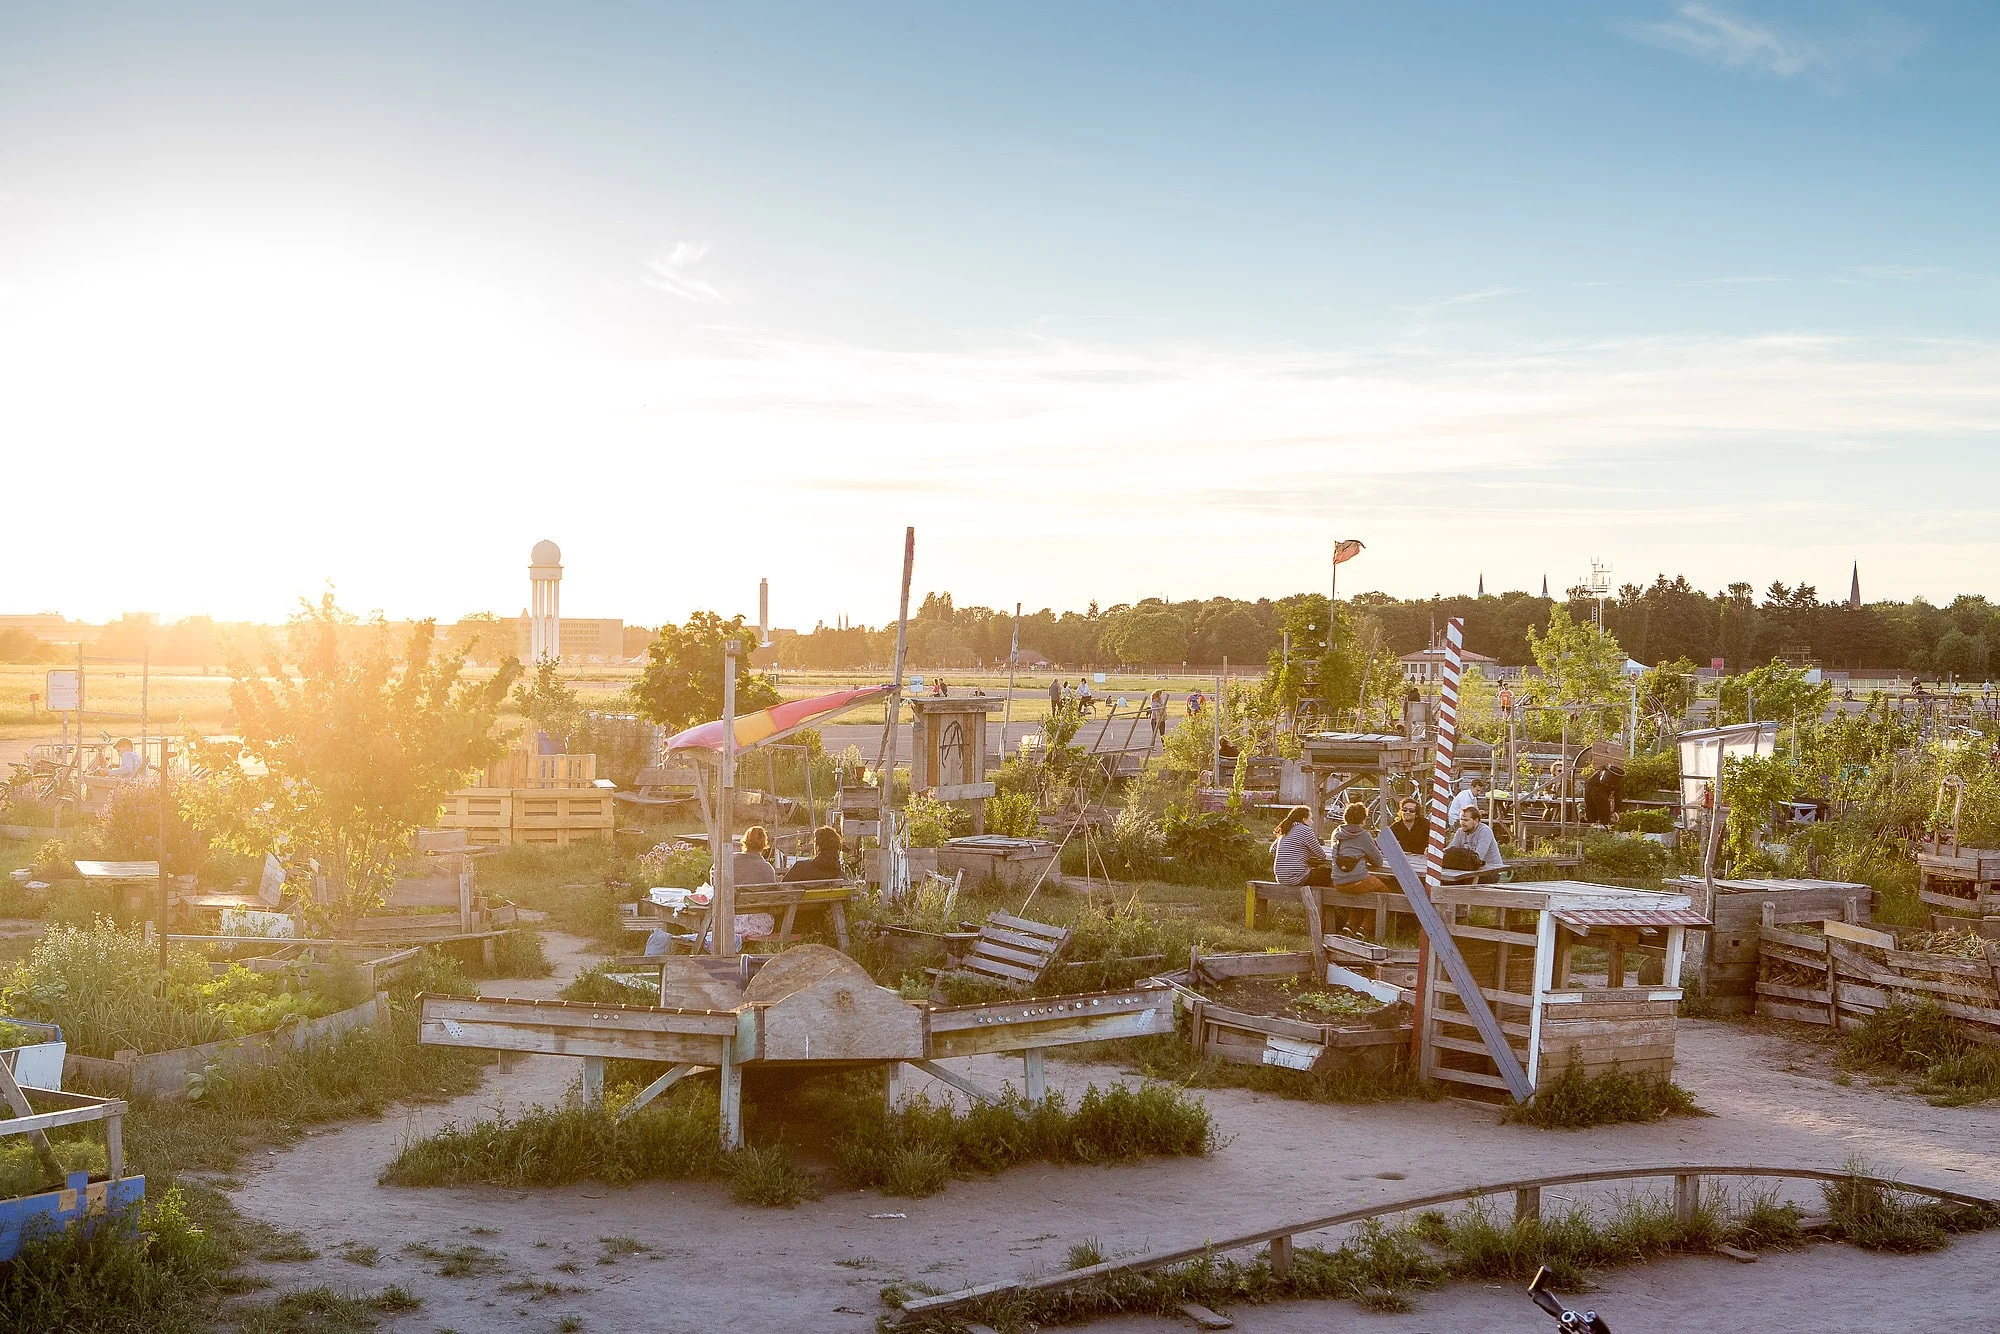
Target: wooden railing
(1527,1205)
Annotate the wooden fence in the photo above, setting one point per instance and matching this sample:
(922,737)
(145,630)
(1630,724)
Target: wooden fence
(1844,972)
(1527,1195)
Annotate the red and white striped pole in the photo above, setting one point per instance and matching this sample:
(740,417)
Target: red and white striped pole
(1445,735)
(1445,738)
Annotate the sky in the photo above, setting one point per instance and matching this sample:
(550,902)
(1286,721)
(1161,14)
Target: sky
(1109,301)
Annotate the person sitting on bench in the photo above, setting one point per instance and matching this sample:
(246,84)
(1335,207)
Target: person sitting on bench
(1296,856)
(824,864)
(753,864)
(1355,859)
(1412,827)
(1473,848)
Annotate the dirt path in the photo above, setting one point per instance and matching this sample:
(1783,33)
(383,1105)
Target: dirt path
(714,1262)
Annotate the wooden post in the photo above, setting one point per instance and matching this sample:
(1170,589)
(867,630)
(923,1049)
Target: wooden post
(1036,1074)
(1687,1197)
(165,796)
(593,1082)
(1528,1205)
(1013,659)
(1215,723)
(1315,930)
(722,931)
(885,763)
(114,1145)
(1281,1256)
(731,1078)
(1832,986)
(11,1092)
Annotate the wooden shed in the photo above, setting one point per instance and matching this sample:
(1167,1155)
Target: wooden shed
(1737,910)
(948,750)
(1522,946)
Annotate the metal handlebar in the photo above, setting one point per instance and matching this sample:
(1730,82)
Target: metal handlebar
(1586,1322)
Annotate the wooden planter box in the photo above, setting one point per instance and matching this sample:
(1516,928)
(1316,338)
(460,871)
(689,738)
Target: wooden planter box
(908,946)
(1962,882)
(164,1074)
(1017,863)
(1378,1043)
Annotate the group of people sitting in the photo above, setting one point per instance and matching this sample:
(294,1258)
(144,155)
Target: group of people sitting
(1351,860)
(752,862)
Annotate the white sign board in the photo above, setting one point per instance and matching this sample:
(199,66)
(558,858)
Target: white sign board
(916,683)
(1097,678)
(63,692)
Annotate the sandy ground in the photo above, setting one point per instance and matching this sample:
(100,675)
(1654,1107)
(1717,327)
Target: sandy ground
(820,1266)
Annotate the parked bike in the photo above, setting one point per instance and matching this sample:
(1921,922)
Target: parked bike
(1586,1322)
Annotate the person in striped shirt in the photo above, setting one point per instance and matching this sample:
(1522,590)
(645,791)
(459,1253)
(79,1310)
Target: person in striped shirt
(1296,856)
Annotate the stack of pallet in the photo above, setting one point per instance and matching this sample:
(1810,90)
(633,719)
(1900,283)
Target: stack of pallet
(1837,973)
(524,797)
(1959,882)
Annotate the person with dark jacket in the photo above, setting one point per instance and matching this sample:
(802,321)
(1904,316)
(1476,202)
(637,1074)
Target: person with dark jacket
(824,864)
(1355,857)
(1412,827)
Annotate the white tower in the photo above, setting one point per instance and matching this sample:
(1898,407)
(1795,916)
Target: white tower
(545,602)
(763,611)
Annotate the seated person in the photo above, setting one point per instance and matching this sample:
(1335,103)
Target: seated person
(1412,827)
(1355,856)
(1471,794)
(824,864)
(124,763)
(1296,856)
(753,861)
(1473,848)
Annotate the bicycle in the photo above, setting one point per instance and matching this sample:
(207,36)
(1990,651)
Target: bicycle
(1587,1322)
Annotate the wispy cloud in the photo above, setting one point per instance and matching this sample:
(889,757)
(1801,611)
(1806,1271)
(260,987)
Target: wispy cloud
(675,274)
(1736,280)
(1731,40)
(1888,273)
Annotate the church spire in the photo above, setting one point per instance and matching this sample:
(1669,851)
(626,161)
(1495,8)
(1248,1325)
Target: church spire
(1545,586)
(1854,588)
(1482,583)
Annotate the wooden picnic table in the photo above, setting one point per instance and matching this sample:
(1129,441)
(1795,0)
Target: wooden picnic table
(832,895)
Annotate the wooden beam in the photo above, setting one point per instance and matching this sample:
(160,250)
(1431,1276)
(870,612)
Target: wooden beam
(957,1081)
(1446,951)
(659,1086)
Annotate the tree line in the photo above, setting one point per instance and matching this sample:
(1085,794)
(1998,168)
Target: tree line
(1665,620)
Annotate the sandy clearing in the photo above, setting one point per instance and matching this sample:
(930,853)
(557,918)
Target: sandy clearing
(820,1266)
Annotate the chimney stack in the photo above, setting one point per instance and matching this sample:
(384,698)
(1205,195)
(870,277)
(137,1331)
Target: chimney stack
(763,611)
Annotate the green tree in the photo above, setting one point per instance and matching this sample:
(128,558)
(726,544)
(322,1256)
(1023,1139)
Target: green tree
(550,703)
(1148,633)
(338,766)
(682,681)
(1668,688)
(1774,691)
(1581,663)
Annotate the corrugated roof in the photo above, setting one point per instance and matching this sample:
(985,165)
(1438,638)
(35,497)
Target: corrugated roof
(1585,918)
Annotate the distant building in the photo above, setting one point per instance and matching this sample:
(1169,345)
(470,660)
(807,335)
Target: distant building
(582,639)
(1427,665)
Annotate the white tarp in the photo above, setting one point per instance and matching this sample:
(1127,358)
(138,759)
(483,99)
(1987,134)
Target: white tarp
(1703,752)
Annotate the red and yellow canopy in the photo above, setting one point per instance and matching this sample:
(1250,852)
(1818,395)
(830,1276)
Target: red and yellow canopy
(780,720)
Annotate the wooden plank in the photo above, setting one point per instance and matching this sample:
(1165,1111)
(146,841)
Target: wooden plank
(995,968)
(1387,993)
(1359,950)
(1816,995)
(526,1035)
(1043,929)
(1595,1027)
(1460,1019)
(581,1014)
(1937,963)
(1468,1077)
(1219,966)
(988,949)
(1859,935)
(1446,951)
(1036,944)
(1464,931)
(1804,1014)
(1474,1048)
(1498,997)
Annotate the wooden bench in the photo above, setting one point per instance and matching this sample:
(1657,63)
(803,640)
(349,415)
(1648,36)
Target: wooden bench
(1258,894)
(832,895)
(1011,952)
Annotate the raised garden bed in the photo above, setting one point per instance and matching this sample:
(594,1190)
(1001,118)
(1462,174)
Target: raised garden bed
(171,1075)
(1268,1009)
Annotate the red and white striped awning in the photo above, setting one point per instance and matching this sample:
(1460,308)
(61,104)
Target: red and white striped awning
(1583,919)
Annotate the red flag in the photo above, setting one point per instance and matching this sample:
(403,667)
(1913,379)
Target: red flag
(1346,550)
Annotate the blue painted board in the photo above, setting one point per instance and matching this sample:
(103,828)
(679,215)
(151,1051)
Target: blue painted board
(28,1216)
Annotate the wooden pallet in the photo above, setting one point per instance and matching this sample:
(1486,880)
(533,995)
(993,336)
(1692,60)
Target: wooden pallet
(1011,952)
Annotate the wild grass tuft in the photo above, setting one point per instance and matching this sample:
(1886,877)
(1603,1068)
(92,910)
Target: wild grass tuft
(673,1137)
(1923,1041)
(1574,1100)
(518,953)
(1874,1215)
(770,1177)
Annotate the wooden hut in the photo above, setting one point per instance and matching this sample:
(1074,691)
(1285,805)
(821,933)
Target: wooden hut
(1738,908)
(1522,946)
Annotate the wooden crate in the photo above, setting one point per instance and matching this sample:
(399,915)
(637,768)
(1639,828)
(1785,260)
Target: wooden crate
(1854,971)
(1961,882)
(472,808)
(548,808)
(555,771)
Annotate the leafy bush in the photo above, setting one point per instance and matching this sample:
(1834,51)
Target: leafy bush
(1210,841)
(102,985)
(519,953)
(674,865)
(596,986)
(1645,820)
(931,822)
(1624,857)
(1133,847)
(1658,772)
(1013,814)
